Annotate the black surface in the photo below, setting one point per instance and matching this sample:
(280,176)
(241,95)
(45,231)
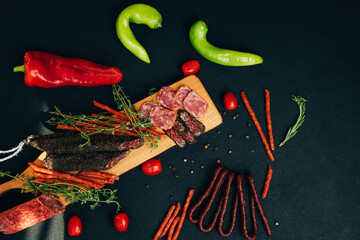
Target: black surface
(310,48)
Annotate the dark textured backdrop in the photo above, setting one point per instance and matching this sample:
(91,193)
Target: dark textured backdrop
(310,48)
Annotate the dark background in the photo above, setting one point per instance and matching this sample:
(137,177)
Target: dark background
(310,48)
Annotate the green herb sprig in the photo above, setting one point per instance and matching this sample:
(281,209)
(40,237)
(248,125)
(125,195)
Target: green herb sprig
(300,120)
(71,192)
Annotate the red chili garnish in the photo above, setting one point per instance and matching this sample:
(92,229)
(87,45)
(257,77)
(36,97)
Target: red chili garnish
(50,71)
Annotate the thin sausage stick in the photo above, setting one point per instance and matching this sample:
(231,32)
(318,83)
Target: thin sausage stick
(173,225)
(268,119)
(183,215)
(205,195)
(243,211)
(267,183)
(257,125)
(261,211)
(165,221)
(174,215)
(110,110)
(97,180)
(98,174)
(223,210)
(207,207)
(48,180)
(64,176)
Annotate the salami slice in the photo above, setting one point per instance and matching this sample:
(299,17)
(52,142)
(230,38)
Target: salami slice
(145,109)
(195,105)
(30,213)
(180,94)
(194,125)
(162,117)
(174,135)
(165,97)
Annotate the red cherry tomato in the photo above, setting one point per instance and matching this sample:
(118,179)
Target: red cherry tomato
(230,101)
(190,67)
(121,222)
(74,226)
(152,167)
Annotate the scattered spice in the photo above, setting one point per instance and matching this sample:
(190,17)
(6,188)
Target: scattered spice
(230,151)
(249,124)
(191,171)
(234,117)
(237,115)
(169,166)
(247,136)
(202,166)
(230,136)
(218,161)
(215,149)
(173,168)
(252,150)
(147,186)
(185,160)
(218,131)
(206,146)
(192,161)
(277,223)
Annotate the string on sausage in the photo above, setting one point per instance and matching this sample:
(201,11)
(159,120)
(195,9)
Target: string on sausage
(225,199)
(205,195)
(211,199)
(243,212)
(258,204)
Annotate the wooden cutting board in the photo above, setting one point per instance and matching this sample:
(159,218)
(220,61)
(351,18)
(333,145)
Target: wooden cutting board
(211,119)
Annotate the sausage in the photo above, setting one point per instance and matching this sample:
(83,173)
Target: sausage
(173,135)
(166,98)
(194,125)
(243,212)
(145,109)
(223,209)
(195,105)
(205,195)
(30,213)
(162,117)
(208,205)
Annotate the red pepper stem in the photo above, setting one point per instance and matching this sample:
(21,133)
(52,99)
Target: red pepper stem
(19,68)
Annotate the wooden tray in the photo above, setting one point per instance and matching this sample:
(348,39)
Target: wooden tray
(211,119)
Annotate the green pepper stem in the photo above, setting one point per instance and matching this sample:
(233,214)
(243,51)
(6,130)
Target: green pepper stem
(19,68)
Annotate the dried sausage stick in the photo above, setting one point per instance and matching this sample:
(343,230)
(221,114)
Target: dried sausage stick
(258,204)
(243,212)
(165,221)
(205,195)
(207,207)
(169,224)
(223,209)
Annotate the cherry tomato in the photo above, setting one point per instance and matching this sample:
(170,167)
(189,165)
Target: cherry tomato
(74,226)
(121,222)
(230,101)
(152,167)
(190,67)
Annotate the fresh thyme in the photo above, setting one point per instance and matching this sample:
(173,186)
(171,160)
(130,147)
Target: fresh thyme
(124,104)
(300,120)
(71,192)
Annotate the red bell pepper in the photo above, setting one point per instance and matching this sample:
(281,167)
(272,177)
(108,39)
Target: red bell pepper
(49,71)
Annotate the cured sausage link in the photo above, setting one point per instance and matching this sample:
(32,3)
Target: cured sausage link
(205,195)
(258,204)
(211,199)
(30,213)
(243,212)
(223,209)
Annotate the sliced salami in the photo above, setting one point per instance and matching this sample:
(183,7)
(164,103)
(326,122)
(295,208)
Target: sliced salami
(162,117)
(145,109)
(195,105)
(180,94)
(194,125)
(165,97)
(189,137)
(30,213)
(180,126)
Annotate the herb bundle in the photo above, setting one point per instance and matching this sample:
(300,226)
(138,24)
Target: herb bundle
(71,192)
(300,120)
(125,122)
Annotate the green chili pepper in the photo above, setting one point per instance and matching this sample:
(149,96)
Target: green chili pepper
(139,14)
(214,54)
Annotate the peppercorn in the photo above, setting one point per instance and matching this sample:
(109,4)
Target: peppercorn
(191,171)
(237,115)
(215,148)
(218,131)
(147,186)
(252,150)
(185,160)
(206,146)
(234,117)
(173,168)
(192,161)
(230,151)
(202,166)
(249,124)
(247,136)
(277,223)
(169,166)
(171,197)
(230,136)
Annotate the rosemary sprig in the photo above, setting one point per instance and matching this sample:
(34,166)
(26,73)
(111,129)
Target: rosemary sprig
(71,192)
(300,120)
